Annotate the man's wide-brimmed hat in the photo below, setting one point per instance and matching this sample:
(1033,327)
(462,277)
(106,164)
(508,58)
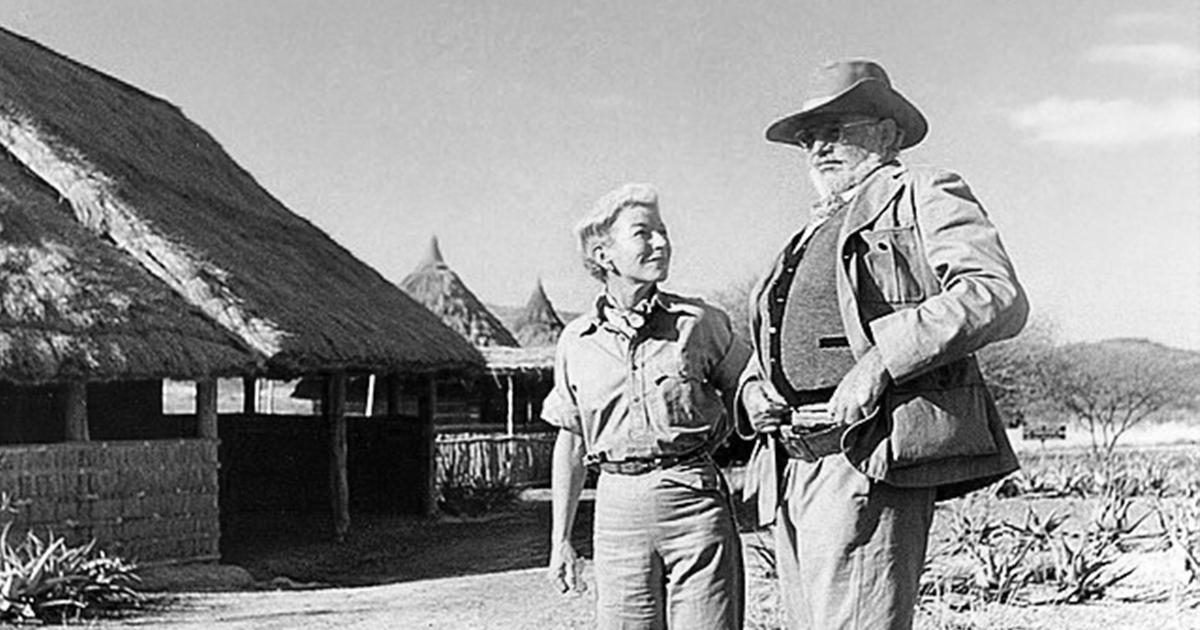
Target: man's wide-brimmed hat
(853,87)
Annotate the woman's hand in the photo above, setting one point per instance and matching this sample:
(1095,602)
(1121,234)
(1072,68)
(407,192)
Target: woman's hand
(565,569)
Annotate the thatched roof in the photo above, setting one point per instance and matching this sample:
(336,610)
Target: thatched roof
(538,324)
(436,286)
(73,306)
(241,276)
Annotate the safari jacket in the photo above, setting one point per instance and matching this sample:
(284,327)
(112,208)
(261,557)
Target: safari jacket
(925,279)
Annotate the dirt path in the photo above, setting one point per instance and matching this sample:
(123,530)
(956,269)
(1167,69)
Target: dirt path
(487,574)
(521,600)
(513,600)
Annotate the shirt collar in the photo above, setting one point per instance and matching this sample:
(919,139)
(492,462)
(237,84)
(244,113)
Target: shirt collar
(645,308)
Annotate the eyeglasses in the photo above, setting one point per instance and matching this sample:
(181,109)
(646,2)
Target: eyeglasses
(827,133)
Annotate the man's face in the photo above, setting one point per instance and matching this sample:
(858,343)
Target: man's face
(842,151)
(638,249)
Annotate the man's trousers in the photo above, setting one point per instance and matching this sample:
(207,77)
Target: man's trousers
(849,550)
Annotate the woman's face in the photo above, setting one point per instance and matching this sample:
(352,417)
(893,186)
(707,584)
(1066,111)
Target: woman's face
(638,249)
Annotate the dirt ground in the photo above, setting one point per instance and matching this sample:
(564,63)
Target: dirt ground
(486,573)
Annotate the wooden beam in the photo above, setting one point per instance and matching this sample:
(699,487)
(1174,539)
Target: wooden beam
(426,404)
(510,422)
(206,409)
(369,409)
(339,480)
(75,414)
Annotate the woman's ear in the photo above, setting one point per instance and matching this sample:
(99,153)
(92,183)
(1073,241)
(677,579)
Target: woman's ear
(599,255)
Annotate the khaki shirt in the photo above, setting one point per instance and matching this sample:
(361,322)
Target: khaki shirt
(655,393)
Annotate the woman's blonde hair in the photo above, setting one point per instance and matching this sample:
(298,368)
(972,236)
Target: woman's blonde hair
(599,221)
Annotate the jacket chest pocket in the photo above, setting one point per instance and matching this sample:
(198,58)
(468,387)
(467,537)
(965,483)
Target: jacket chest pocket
(890,258)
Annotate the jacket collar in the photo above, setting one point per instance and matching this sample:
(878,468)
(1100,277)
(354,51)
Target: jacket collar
(872,199)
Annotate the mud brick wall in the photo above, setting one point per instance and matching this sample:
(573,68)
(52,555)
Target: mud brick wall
(147,501)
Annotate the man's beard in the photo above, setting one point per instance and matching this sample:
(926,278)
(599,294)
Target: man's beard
(828,185)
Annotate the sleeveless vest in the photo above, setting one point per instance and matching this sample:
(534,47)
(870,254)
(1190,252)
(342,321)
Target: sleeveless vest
(807,343)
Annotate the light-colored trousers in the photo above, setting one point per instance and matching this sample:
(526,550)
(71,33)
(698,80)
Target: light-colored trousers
(667,552)
(849,550)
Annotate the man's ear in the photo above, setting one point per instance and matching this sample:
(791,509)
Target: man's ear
(893,135)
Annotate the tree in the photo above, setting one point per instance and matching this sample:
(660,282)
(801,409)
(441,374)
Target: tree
(1111,387)
(1013,371)
(735,301)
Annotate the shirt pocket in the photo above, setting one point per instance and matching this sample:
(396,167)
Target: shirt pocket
(890,257)
(684,394)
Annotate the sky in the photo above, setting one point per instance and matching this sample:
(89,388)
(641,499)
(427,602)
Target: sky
(494,125)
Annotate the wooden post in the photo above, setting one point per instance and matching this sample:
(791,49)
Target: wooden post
(249,395)
(370,407)
(75,416)
(393,394)
(426,404)
(206,409)
(339,481)
(510,423)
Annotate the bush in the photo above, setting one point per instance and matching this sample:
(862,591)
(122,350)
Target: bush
(476,500)
(50,581)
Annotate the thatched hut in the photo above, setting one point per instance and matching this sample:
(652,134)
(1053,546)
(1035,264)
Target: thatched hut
(538,324)
(434,284)
(134,249)
(511,444)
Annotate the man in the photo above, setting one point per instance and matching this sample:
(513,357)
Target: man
(637,384)
(863,383)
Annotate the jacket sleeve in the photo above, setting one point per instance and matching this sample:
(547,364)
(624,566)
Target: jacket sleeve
(978,300)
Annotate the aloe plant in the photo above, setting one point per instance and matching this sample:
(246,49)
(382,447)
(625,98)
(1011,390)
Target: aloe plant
(50,580)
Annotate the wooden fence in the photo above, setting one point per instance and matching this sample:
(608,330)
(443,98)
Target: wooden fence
(490,459)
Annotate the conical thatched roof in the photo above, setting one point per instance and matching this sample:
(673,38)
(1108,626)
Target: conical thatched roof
(176,261)
(538,324)
(436,286)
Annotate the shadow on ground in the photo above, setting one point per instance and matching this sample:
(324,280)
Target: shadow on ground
(296,551)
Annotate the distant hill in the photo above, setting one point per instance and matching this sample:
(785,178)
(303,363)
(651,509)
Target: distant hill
(1186,362)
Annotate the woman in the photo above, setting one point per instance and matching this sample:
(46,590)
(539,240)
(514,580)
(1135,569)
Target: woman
(637,382)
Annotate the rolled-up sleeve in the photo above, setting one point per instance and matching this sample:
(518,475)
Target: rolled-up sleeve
(732,353)
(980,301)
(560,407)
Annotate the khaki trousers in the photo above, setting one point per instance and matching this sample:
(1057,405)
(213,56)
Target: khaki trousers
(667,551)
(849,550)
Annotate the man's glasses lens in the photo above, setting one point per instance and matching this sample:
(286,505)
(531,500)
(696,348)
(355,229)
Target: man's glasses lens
(827,133)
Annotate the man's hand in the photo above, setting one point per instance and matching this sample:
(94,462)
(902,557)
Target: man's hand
(857,396)
(764,408)
(564,571)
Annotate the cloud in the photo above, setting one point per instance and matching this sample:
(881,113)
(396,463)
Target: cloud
(1108,123)
(1162,56)
(1136,19)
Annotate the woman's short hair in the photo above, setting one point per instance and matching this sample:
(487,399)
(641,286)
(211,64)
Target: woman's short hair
(596,225)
